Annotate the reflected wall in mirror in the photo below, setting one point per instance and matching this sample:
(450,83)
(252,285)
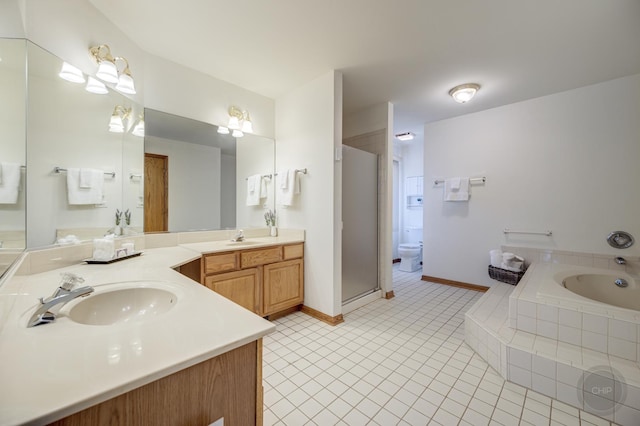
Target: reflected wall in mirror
(12,150)
(205,185)
(68,127)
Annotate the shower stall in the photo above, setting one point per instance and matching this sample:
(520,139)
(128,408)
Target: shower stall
(360,223)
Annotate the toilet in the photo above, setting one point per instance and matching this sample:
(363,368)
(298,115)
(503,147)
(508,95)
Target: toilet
(410,252)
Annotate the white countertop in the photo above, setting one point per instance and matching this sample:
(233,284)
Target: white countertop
(54,370)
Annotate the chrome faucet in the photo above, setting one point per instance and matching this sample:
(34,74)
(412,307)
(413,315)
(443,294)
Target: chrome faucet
(239,236)
(50,306)
(620,260)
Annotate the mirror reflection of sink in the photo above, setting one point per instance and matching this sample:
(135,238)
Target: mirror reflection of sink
(123,305)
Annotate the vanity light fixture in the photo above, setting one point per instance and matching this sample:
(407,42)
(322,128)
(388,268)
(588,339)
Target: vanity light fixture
(116,123)
(138,129)
(96,86)
(108,69)
(464,92)
(239,122)
(223,130)
(71,73)
(406,136)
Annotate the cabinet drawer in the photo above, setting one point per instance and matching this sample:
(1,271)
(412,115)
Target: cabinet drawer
(260,257)
(293,251)
(220,262)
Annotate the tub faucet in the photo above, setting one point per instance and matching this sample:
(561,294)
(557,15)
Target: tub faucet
(49,307)
(620,260)
(239,236)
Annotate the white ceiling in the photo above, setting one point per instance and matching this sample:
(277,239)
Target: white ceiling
(408,52)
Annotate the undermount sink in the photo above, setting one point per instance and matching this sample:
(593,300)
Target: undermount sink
(122,306)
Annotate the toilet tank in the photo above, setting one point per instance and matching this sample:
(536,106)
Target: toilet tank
(412,235)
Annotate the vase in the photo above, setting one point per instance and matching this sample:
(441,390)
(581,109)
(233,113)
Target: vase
(273,231)
(117,230)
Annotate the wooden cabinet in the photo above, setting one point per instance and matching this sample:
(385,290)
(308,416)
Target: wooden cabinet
(265,280)
(282,286)
(243,287)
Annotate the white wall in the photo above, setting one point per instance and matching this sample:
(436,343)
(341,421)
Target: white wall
(412,165)
(308,129)
(67,28)
(193,169)
(255,156)
(567,162)
(227,191)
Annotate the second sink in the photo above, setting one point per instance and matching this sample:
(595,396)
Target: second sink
(123,305)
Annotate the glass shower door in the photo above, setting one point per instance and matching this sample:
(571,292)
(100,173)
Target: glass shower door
(360,223)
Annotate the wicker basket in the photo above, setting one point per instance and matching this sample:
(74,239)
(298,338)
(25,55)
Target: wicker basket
(505,276)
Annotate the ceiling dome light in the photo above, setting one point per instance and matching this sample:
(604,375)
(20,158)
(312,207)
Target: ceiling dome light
(95,86)
(71,73)
(464,92)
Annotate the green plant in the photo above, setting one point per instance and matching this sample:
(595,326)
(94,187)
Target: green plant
(270,218)
(127,217)
(118,217)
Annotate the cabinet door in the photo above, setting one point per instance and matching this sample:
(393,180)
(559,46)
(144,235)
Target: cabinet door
(283,286)
(241,287)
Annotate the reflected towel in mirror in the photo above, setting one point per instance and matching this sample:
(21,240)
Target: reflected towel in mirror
(9,182)
(82,196)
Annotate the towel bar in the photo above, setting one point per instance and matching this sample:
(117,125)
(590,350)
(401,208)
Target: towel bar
(509,231)
(60,170)
(303,171)
(134,176)
(482,179)
(269,176)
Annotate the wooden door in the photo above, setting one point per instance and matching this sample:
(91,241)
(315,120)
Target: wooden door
(241,287)
(156,193)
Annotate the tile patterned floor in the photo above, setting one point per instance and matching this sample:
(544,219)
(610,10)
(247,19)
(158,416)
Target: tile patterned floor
(396,362)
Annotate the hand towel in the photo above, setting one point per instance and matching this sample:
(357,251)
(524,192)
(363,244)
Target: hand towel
(83,196)
(86,175)
(263,187)
(459,194)
(10,183)
(253,190)
(290,188)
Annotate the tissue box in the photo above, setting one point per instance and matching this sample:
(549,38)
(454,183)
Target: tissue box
(505,276)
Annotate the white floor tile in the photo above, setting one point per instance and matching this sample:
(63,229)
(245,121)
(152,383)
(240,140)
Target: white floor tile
(399,361)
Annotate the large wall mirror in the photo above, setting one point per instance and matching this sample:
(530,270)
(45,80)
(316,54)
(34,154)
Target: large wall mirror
(198,179)
(78,166)
(66,172)
(12,150)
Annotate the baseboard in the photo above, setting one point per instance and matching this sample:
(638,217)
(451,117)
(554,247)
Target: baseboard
(321,316)
(396,260)
(362,301)
(452,283)
(281,314)
(389,295)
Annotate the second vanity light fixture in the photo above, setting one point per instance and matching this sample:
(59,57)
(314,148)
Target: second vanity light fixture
(108,69)
(116,123)
(239,123)
(464,92)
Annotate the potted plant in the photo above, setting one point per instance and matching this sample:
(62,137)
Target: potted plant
(270,218)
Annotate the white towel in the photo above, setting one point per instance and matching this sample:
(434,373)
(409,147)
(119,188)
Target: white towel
(10,183)
(289,186)
(86,175)
(82,196)
(461,193)
(253,190)
(263,187)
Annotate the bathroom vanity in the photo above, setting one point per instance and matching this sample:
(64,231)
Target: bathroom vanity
(197,362)
(266,281)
